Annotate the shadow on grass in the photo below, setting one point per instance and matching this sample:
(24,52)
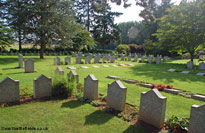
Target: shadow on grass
(7,60)
(11,68)
(134,129)
(160,72)
(141,127)
(72,104)
(98,117)
(15,73)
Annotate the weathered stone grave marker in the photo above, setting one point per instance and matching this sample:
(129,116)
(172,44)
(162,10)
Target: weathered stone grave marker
(42,87)
(91,87)
(152,108)
(29,66)
(116,95)
(9,90)
(197,119)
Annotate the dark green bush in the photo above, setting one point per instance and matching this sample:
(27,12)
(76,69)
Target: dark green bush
(62,87)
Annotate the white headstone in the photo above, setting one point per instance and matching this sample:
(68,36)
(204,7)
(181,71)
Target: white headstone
(59,70)
(9,90)
(20,60)
(42,87)
(91,87)
(29,66)
(197,119)
(152,108)
(116,95)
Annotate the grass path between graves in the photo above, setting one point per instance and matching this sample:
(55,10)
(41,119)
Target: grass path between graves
(152,73)
(63,116)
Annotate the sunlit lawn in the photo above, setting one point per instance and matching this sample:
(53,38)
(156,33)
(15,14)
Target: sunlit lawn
(152,73)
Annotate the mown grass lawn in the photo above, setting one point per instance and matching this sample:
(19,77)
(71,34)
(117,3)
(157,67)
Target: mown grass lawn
(62,116)
(152,73)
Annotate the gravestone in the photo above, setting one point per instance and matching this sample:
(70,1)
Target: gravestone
(105,65)
(71,67)
(9,90)
(91,87)
(152,108)
(190,64)
(150,59)
(78,60)
(122,58)
(142,59)
(67,60)
(202,66)
(20,60)
(116,95)
(185,72)
(42,87)
(172,70)
(96,59)
(135,58)
(85,67)
(197,119)
(57,61)
(73,75)
(158,60)
(129,58)
(112,59)
(12,53)
(59,70)
(29,66)
(201,74)
(87,60)
(95,66)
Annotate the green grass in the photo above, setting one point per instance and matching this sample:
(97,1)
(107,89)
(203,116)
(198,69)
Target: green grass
(152,73)
(63,116)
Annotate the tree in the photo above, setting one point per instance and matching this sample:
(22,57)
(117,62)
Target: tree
(5,35)
(105,31)
(83,41)
(15,13)
(183,28)
(148,46)
(85,10)
(51,22)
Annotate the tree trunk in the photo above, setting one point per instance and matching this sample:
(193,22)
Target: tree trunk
(42,50)
(88,21)
(20,42)
(192,56)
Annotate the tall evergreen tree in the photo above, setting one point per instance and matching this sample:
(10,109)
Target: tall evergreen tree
(15,13)
(105,31)
(51,21)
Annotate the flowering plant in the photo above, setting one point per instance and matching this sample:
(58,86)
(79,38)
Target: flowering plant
(161,87)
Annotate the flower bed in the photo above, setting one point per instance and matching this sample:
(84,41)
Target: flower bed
(161,87)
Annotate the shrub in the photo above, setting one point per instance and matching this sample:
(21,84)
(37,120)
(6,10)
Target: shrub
(177,124)
(122,49)
(134,48)
(62,87)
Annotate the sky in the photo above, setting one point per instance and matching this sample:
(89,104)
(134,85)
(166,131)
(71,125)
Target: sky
(131,13)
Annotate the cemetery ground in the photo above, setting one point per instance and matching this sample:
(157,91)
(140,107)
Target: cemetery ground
(70,115)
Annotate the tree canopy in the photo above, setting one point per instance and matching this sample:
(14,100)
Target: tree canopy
(183,28)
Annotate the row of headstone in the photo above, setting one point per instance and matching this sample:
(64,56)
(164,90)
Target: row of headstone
(10,92)
(152,104)
(190,65)
(57,60)
(29,64)
(72,74)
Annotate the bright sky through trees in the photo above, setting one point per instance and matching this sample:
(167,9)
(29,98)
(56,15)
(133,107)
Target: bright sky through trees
(131,13)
